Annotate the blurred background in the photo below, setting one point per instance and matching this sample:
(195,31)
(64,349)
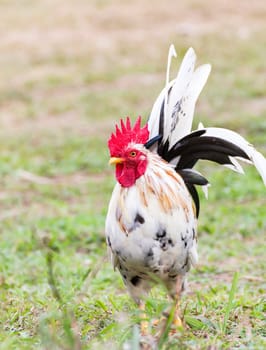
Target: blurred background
(68,71)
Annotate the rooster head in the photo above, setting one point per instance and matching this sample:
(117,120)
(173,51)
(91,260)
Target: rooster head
(127,151)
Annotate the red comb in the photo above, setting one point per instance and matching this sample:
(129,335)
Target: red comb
(127,134)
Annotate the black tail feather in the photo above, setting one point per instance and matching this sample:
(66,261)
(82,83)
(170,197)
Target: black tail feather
(192,178)
(193,147)
(196,146)
(152,141)
(195,196)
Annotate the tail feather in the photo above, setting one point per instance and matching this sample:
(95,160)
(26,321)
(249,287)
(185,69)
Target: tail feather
(174,105)
(173,110)
(170,124)
(183,98)
(254,157)
(192,178)
(220,145)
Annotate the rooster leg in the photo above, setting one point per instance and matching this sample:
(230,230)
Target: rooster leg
(177,322)
(172,321)
(143,319)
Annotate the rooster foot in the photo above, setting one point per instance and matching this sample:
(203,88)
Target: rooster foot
(144,324)
(177,325)
(158,321)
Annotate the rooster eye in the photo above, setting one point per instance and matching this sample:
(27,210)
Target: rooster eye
(133,154)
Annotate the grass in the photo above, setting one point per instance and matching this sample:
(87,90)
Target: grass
(65,80)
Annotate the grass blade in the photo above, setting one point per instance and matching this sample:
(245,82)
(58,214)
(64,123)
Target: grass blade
(229,306)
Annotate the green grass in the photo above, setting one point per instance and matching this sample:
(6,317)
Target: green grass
(65,80)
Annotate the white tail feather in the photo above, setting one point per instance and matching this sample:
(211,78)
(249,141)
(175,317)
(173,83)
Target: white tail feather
(260,163)
(153,122)
(171,54)
(235,166)
(205,189)
(188,99)
(180,95)
(200,126)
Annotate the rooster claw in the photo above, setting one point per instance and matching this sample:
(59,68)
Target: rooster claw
(177,322)
(177,325)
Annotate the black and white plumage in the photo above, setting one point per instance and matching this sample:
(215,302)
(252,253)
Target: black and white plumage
(182,147)
(151,224)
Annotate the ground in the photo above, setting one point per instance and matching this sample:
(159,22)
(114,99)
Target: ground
(68,71)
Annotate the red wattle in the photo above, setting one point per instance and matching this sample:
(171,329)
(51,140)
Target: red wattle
(127,174)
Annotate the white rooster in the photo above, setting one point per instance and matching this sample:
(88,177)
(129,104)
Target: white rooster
(151,225)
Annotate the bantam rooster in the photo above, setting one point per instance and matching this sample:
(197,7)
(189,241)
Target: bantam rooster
(151,225)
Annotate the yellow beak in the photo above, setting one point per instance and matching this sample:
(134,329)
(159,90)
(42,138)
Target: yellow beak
(115,160)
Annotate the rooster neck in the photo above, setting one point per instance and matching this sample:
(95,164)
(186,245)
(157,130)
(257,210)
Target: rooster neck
(159,182)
